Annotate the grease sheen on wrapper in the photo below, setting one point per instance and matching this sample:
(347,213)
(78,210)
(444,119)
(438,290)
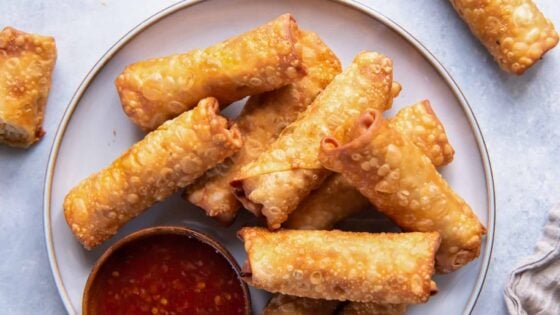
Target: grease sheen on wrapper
(261,121)
(401,182)
(167,159)
(335,265)
(26,65)
(336,199)
(275,183)
(515,32)
(263,59)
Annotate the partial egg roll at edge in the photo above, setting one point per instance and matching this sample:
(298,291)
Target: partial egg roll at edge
(275,183)
(26,65)
(261,121)
(281,304)
(167,159)
(401,182)
(336,199)
(263,59)
(335,265)
(515,32)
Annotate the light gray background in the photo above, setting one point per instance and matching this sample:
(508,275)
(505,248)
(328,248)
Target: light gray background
(519,117)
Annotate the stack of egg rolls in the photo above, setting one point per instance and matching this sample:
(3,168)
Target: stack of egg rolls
(336,199)
(261,121)
(263,59)
(284,174)
(402,182)
(166,160)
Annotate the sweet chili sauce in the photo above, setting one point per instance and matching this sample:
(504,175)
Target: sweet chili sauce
(167,274)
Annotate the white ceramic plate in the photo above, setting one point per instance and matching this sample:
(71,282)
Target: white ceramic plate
(94,130)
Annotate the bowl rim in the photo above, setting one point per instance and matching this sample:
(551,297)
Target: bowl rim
(182,231)
(361,8)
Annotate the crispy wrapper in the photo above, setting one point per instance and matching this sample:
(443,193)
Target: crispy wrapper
(357,308)
(275,183)
(167,159)
(263,59)
(335,265)
(281,304)
(515,32)
(337,199)
(261,121)
(26,66)
(402,182)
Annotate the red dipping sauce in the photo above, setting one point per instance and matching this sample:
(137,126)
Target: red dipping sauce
(166,274)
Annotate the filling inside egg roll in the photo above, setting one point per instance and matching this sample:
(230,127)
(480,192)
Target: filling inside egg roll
(26,66)
(167,159)
(275,183)
(515,32)
(336,199)
(261,121)
(402,182)
(335,265)
(263,59)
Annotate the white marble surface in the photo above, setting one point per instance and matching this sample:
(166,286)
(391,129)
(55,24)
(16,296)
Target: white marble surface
(519,117)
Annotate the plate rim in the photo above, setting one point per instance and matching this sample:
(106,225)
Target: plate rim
(352,4)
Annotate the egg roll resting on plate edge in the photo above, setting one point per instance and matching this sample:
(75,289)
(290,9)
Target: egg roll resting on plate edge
(263,59)
(402,183)
(167,159)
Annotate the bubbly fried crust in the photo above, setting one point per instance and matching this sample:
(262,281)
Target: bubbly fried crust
(26,65)
(515,32)
(403,183)
(167,159)
(281,304)
(275,183)
(263,59)
(336,199)
(261,121)
(357,308)
(335,265)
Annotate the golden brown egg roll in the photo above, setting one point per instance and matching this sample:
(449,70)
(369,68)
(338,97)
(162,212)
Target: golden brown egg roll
(336,199)
(263,59)
(515,32)
(334,265)
(261,121)
(281,304)
(26,66)
(401,182)
(167,159)
(357,308)
(275,183)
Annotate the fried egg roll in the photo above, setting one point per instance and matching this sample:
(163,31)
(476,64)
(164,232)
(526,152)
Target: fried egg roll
(335,265)
(263,59)
(26,66)
(515,32)
(281,304)
(284,174)
(357,308)
(167,159)
(402,182)
(261,121)
(336,199)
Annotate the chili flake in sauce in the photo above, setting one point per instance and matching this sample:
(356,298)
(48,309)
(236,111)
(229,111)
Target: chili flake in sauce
(167,274)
